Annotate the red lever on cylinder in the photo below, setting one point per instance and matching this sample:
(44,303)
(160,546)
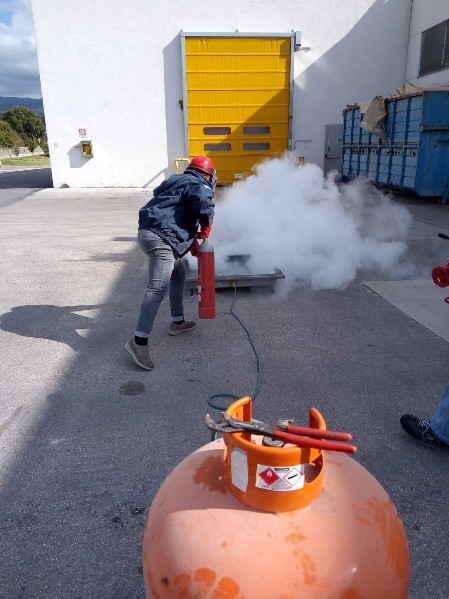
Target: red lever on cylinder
(440,275)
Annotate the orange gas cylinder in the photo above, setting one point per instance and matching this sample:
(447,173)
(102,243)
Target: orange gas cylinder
(239,520)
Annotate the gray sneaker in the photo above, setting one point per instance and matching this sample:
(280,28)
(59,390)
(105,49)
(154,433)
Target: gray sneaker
(176,328)
(140,354)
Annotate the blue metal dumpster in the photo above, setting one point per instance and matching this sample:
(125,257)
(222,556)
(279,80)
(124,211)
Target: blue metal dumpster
(416,155)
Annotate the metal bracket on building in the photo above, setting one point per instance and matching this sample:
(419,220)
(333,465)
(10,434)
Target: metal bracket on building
(177,161)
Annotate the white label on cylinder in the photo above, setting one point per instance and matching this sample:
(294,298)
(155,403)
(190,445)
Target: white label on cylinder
(280,478)
(239,469)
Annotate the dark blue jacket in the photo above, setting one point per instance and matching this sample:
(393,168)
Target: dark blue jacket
(178,205)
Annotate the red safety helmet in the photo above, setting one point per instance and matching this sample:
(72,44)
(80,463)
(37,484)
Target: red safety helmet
(204,165)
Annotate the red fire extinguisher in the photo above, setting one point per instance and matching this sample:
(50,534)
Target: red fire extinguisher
(206,281)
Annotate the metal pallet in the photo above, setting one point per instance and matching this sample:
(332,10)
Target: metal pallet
(241,277)
(223,281)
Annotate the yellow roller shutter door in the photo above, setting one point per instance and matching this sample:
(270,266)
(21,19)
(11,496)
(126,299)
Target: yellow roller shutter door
(238,99)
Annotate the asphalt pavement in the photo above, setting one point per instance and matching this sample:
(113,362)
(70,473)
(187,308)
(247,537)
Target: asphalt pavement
(87,438)
(18,183)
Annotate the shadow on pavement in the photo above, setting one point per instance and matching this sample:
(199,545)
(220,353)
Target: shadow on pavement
(33,178)
(48,322)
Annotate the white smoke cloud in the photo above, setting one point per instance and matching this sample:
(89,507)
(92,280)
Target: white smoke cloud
(293,218)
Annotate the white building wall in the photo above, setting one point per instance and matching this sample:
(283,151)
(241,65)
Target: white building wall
(114,69)
(425,14)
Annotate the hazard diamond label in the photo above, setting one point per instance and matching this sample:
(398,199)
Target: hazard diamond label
(280,478)
(293,476)
(269,476)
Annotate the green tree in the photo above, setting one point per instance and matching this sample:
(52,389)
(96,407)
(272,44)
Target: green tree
(26,123)
(8,137)
(32,144)
(44,145)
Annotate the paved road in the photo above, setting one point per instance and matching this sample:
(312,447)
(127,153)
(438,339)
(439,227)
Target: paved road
(86,438)
(18,183)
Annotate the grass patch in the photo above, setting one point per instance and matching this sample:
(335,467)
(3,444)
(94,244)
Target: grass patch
(26,161)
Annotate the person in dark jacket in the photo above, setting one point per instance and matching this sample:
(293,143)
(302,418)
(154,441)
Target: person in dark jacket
(168,229)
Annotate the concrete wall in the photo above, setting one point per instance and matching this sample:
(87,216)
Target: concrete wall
(425,14)
(8,153)
(114,69)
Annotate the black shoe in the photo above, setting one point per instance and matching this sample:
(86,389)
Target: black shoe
(420,430)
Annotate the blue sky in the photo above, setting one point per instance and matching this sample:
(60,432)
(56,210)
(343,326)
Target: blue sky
(19,73)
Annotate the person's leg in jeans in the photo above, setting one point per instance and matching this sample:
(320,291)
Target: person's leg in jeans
(161,260)
(176,293)
(439,422)
(178,324)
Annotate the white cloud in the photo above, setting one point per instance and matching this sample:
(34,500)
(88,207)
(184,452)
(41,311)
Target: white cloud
(19,73)
(314,231)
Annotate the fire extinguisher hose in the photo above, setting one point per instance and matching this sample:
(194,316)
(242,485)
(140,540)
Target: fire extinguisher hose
(231,396)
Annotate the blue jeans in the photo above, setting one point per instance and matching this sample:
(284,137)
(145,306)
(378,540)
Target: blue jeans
(165,271)
(439,422)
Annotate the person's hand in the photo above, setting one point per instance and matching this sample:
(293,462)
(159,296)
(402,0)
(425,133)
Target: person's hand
(205,232)
(194,248)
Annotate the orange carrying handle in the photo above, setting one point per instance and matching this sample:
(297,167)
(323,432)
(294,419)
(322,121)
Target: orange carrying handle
(272,479)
